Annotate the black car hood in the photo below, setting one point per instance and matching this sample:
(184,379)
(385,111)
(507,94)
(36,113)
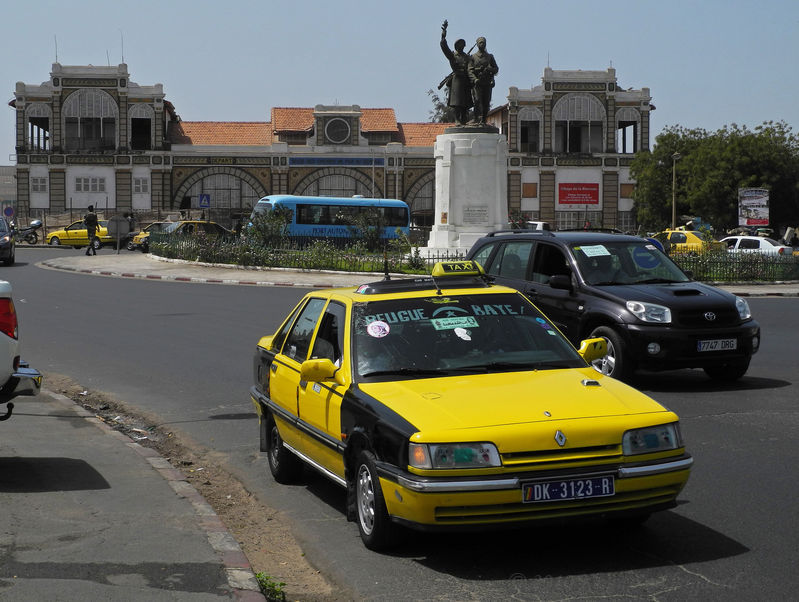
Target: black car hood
(672,295)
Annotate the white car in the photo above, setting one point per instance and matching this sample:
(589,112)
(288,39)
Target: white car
(756,244)
(16,377)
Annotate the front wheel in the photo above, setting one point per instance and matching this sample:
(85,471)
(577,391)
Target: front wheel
(729,372)
(617,362)
(54,241)
(374,524)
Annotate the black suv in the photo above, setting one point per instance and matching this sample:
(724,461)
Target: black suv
(624,289)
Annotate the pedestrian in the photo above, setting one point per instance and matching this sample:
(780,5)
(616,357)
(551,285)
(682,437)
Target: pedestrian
(90,221)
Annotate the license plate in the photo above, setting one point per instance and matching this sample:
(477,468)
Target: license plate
(717,345)
(567,489)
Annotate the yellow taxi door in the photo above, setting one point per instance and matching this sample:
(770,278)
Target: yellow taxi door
(319,403)
(284,380)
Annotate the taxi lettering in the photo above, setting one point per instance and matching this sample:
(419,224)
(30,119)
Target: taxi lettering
(493,310)
(392,317)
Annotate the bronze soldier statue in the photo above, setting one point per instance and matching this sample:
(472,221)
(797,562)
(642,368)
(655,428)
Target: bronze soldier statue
(482,69)
(459,87)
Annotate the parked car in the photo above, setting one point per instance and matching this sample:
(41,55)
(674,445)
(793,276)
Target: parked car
(624,289)
(8,246)
(687,241)
(16,377)
(138,239)
(185,228)
(75,235)
(448,402)
(756,244)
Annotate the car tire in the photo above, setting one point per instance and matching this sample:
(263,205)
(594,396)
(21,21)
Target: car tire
(374,523)
(11,259)
(54,241)
(283,464)
(617,362)
(729,372)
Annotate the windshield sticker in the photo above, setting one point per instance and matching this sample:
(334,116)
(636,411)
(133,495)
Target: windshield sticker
(595,250)
(378,329)
(394,317)
(440,300)
(464,334)
(449,312)
(494,310)
(458,322)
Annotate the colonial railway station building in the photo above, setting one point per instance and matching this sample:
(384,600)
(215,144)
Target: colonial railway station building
(89,135)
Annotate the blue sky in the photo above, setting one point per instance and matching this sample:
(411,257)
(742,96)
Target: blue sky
(708,64)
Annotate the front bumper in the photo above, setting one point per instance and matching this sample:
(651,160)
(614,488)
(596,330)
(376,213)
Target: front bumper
(430,503)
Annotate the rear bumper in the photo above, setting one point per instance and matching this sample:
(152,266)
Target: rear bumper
(25,381)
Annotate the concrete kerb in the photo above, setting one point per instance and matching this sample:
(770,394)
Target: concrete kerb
(240,575)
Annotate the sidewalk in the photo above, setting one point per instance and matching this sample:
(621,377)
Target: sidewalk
(129,264)
(88,514)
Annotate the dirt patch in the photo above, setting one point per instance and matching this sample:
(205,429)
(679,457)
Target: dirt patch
(262,534)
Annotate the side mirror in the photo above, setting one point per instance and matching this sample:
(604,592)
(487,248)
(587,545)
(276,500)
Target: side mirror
(593,349)
(561,281)
(320,369)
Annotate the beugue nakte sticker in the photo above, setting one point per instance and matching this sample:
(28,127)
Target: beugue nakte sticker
(378,329)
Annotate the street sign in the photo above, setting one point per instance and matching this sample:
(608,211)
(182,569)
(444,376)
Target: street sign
(205,201)
(8,211)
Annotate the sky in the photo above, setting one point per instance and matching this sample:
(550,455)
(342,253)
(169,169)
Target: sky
(707,63)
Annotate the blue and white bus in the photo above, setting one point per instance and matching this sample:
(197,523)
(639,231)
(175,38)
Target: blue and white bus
(332,217)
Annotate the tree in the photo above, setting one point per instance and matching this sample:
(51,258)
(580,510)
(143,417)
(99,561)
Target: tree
(440,113)
(711,169)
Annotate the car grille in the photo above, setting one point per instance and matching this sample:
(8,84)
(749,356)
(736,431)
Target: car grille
(724,317)
(521,511)
(547,459)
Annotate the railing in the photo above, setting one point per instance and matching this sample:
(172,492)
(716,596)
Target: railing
(739,267)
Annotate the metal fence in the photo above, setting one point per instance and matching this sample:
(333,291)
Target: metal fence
(739,267)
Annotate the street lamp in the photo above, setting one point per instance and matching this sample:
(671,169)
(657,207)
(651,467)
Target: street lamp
(674,158)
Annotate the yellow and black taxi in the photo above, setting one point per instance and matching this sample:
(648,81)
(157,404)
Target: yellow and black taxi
(450,402)
(184,228)
(75,235)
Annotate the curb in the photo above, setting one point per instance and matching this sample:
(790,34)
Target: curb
(240,575)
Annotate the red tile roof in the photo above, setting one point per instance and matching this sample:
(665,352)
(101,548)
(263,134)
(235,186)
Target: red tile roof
(421,134)
(378,120)
(220,133)
(292,119)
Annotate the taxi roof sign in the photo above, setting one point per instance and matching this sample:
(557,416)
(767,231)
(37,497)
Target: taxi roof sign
(445,269)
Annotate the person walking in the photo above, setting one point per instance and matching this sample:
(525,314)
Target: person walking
(90,221)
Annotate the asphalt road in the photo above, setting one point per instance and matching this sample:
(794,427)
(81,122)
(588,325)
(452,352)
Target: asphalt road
(184,351)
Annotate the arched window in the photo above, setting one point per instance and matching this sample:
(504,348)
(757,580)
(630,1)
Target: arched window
(90,120)
(530,120)
(38,133)
(140,126)
(579,124)
(226,190)
(628,130)
(340,185)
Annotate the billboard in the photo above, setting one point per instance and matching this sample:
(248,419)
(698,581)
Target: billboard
(753,206)
(578,194)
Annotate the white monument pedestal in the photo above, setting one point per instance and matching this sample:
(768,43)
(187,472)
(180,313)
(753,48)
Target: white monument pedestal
(471,188)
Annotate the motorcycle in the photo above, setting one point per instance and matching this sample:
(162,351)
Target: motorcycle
(29,233)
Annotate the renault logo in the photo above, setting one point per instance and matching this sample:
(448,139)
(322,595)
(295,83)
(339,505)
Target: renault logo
(560,438)
(710,316)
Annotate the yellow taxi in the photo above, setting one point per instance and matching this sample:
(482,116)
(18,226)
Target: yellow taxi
(185,227)
(687,241)
(449,402)
(75,235)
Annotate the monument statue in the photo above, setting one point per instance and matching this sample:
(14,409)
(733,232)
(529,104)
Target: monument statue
(482,69)
(459,86)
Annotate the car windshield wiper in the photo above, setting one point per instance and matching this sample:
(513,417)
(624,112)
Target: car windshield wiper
(405,372)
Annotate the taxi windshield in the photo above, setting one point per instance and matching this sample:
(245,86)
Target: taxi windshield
(623,262)
(454,335)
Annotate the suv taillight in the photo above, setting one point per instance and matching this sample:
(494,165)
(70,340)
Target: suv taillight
(8,318)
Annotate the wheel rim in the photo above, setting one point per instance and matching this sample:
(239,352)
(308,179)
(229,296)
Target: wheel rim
(275,444)
(607,364)
(55,242)
(366,500)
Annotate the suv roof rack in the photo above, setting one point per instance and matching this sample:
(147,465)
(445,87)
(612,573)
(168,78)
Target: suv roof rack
(536,232)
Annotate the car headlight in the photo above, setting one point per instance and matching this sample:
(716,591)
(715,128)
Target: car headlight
(453,455)
(743,308)
(649,312)
(651,439)
(6,238)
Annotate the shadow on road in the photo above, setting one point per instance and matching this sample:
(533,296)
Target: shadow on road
(35,475)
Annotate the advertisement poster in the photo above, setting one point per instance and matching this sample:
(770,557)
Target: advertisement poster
(752,207)
(578,194)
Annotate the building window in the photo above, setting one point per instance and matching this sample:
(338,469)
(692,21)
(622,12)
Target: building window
(38,184)
(579,120)
(89,184)
(530,119)
(578,220)
(625,221)
(626,191)
(90,121)
(141,185)
(530,190)
(38,133)
(141,126)
(336,185)
(627,130)
(227,191)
